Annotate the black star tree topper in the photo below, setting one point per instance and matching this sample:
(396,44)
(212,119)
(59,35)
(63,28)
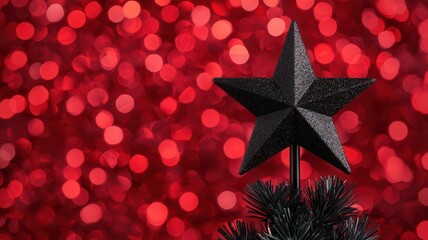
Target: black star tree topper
(294,107)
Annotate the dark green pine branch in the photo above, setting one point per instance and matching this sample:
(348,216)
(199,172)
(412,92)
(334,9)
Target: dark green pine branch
(358,228)
(295,224)
(264,199)
(239,230)
(331,201)
(323,212)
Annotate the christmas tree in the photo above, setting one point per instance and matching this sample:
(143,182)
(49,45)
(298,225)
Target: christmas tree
(294,108)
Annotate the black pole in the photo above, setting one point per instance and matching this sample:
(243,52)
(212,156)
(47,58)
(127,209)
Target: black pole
(295,166)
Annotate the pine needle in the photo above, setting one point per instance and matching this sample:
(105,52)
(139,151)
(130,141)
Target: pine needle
(323,212)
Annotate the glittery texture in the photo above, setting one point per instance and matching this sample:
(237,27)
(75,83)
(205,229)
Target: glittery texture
(336,93)
(293,71)
(271,134)
(294,107)
(251,92)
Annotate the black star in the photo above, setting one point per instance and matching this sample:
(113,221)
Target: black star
(294,107)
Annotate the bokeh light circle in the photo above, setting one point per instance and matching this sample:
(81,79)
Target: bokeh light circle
(398,130)
(351,53)
(98,176)
(226,200)
(115,14)
(239,54)
(113,135)
(423,196)
(175,227)
(276,27)
(76,19)
(304,4)
(210,118)
(93,9)
(234,148)
(138,163)
(25,31)
(75,157)
(35,127)
(221,29)
(188,201)
(49,70)
(131,9)
(104,119)
(71,189)
(201,15)
(327,27)
(157,213)
(422,229)
(249,5)
(324,53)
(55,13)
(125,103)
(154,63)
(91,213)
(75,106)
(323,11)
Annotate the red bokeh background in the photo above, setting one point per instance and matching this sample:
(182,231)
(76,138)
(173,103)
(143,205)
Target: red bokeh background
(111,128)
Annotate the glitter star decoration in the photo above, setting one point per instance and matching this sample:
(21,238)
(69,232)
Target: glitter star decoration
(294,107)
